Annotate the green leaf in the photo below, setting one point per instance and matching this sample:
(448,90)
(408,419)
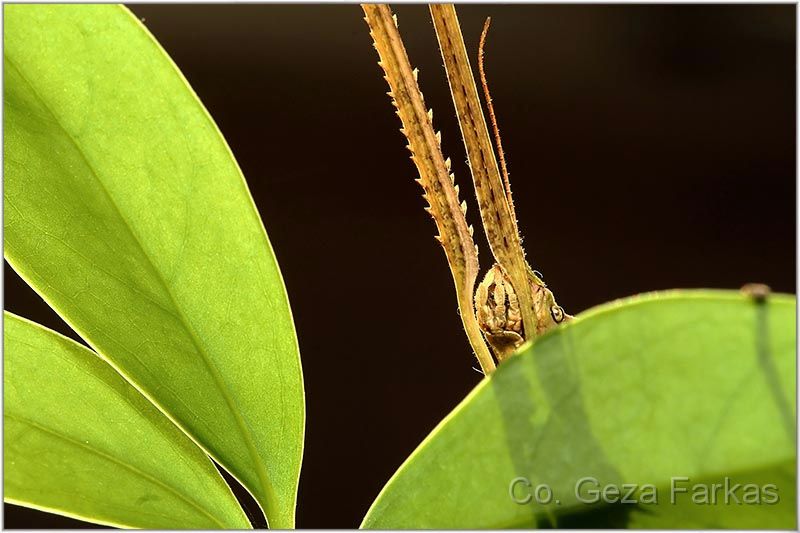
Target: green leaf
(699,384)
(126,212)
(80,441)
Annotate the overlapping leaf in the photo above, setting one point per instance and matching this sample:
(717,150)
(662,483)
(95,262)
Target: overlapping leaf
(126,211)
(80,441)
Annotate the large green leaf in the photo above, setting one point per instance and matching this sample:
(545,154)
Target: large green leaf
(126,212)
(697,384)
(80,441)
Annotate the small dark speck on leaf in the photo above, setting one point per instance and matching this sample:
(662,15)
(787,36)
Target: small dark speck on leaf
(757,291)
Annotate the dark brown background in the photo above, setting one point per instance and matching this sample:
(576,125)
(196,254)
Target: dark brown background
(650,148)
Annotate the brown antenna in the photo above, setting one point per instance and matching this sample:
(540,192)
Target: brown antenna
(496,130)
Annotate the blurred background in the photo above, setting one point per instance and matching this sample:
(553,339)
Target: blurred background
(650,147)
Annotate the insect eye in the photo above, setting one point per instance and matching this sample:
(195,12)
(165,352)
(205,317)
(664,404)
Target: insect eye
(557,313)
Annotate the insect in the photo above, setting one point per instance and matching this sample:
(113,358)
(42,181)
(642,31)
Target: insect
(512,303)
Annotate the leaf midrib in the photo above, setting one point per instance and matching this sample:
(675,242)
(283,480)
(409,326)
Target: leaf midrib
(222,387)
(91,449)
